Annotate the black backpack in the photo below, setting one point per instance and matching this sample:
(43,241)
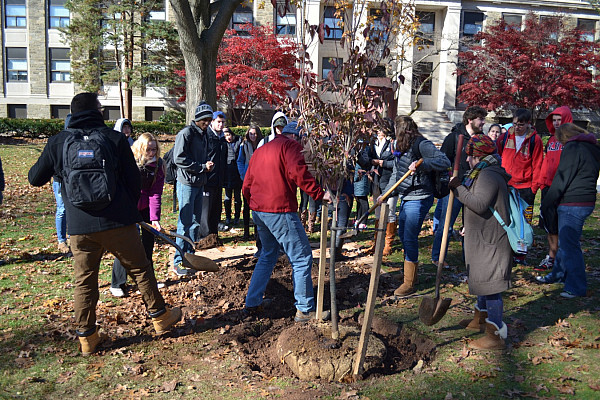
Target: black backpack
(89,169)
(440,179)
(170,168)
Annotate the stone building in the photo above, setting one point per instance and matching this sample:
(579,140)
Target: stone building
(35,65)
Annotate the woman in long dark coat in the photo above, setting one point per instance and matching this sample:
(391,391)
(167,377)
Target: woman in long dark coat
(487,249)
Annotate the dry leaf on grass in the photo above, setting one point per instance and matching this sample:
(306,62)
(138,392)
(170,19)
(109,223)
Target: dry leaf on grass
(169,386)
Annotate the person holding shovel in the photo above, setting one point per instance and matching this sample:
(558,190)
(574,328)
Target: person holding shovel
(415,192)
(488,254)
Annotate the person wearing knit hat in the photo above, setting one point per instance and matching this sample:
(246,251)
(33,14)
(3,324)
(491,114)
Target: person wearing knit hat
(190,155)
(487,248)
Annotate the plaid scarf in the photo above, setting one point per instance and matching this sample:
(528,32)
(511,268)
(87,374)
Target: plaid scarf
(471,176)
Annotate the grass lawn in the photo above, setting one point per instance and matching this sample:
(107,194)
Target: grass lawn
(553,343)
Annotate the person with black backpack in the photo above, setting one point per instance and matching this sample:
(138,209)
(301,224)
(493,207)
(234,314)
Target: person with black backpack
(415,192)
(101,187)
(146,151)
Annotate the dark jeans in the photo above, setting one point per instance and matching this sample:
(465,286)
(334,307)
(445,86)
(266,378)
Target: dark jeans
(236,194)
(211,210)
(119,273)
(344,209)
(362,206)
(87,251)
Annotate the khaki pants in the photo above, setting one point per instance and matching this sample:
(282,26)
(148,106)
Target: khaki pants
(125,244)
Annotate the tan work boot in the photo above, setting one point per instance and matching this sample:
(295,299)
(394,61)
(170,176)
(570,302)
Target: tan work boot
(390,234)
(310,224)
(493,339)
(477,323)
(88,344)
(371,249)
(165,321)
(410,276)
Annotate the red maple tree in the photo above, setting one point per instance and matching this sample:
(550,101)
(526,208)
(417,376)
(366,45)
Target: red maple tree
(260,68)
(544,65)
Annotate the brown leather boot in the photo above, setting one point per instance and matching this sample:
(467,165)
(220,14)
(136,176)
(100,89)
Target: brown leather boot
(477,323)
(410,276)
(310,224)
(164,322)
(304,217)
(390,234)
(371,249)
(493,339)
(88,344)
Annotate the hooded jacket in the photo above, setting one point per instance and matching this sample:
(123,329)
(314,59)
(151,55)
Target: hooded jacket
(524,165)
(119,128)
(267,139)
(122,211)
(553,147)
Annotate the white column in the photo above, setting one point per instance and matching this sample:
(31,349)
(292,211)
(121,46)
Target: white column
(446,97)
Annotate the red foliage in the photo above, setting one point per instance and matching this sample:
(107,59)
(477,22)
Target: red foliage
(530,68)
(261,67)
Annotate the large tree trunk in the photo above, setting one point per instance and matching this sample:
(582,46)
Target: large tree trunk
(200,81)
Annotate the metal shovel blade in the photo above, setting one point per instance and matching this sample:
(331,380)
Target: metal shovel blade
(199,263)
(432,310)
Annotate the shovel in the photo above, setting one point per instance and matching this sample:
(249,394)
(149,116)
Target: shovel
(177,235)
(353,232)
(189,260)
(432,310)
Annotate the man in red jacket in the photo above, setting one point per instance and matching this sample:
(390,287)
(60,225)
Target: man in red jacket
(556,118)
(275,172)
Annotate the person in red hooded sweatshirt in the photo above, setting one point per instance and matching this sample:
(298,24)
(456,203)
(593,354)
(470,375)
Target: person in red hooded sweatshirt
(556,118)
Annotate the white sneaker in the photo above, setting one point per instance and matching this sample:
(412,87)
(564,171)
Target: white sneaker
(160,285)
(117,292)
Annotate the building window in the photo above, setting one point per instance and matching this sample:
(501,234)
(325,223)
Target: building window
(17,111)
(16,13)
(378,72)
(16,64)
(60,65)
(552,23)
(334,24)
(154,113)
(242,16)
(159,12)
(110,73)
(426,29)
(60,112)
(285,25)
(513,20)
(333,65)
(472,23)
(588,29)
(111,113)
(421,72)
(59,15)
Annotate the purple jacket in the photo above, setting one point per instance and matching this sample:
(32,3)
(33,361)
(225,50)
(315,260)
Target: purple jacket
(152,197)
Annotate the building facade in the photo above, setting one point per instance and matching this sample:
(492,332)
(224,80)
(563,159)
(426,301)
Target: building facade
(35,64)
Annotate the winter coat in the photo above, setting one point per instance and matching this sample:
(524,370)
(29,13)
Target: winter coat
(553,147)
(488,254)
(190,154)
(217,153)
(576,177)
(418,185)
(122,211)
(362,184)
(267,139)
(450,146)
(386,154)
(119,128)
(232,175)
(246,151)
(522,165)
(275,172)
(151,197)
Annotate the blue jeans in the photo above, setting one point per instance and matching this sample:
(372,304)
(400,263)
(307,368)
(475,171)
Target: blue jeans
(570,256)
(410,220)
(440,212)
(285,230)
(60,217)
(190,213)
(344,210)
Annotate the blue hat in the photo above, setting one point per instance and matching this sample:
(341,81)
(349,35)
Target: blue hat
(203,111)
(291,129)
(218,114)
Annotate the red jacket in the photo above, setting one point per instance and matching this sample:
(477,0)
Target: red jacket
(275,172)
(553,147)
(523,166)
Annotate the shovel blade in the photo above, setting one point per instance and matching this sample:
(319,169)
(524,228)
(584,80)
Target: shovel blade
(199,263)
(432,310)
(349,233)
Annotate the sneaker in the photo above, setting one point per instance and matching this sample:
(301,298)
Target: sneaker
(63,247)
(117,292)
(568,295)
(546,264)
(160,285)
(179,271)
(307,316)
(223,227)
(549,279)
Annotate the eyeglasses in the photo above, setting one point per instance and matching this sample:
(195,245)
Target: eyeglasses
(520,124)
(101,109)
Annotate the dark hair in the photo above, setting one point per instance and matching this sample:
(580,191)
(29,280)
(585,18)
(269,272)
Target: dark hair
(472,113)
(406,132)
(522,115)
(493,125)
(259,135)
(83,102)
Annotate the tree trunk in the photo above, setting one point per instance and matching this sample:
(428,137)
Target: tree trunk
(200,81)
